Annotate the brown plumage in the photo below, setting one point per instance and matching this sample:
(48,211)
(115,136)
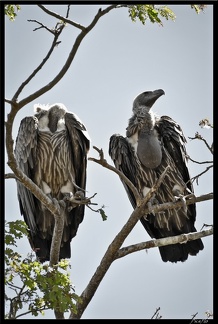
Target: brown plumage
(51,149)
(151,144)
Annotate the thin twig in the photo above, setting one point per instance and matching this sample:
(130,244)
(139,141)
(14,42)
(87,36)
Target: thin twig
(197,162)
(200,174)
(198,136)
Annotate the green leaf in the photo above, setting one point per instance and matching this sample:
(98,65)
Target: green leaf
(10,11)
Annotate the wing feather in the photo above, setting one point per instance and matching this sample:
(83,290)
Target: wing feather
(80,144)
(25,154)
(122,155)
(174,142)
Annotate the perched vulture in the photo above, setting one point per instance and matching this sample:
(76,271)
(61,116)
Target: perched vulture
(51,149)
(151,144)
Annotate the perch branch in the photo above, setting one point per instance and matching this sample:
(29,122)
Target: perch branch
(183,238)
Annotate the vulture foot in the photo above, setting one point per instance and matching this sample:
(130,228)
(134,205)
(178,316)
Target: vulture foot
(60,204)
(74,200)
(152,202)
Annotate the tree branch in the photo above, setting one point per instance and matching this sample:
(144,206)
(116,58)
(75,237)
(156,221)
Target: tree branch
(198,136)
(183,238)
(57,234)
(10,176)
(68,21)
(200,174)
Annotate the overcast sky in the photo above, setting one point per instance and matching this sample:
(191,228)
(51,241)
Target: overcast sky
(115,62)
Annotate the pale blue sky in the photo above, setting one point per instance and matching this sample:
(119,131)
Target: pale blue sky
(115,62)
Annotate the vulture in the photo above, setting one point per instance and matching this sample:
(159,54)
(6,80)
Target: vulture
(151,144)
(51,149)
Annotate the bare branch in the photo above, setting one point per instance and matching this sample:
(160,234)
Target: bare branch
(183,238)
(10,102)
(41,26)
(175,205)
(23,102)
(10,176)
(57,233)
(204,162)
(198,136)
(200,174)
(68,21)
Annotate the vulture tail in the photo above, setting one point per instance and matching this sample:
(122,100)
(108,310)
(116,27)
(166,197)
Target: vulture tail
(42,249)
(180,252)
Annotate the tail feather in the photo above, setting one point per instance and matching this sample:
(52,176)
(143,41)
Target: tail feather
(180,252)
(173,252)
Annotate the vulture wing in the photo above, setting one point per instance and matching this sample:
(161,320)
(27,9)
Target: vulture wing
(25,154)
(80,144)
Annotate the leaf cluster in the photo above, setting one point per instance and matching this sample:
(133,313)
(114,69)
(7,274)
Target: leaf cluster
(198,8)
(150,12)
(13,231)
(41,286)
(10,11)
